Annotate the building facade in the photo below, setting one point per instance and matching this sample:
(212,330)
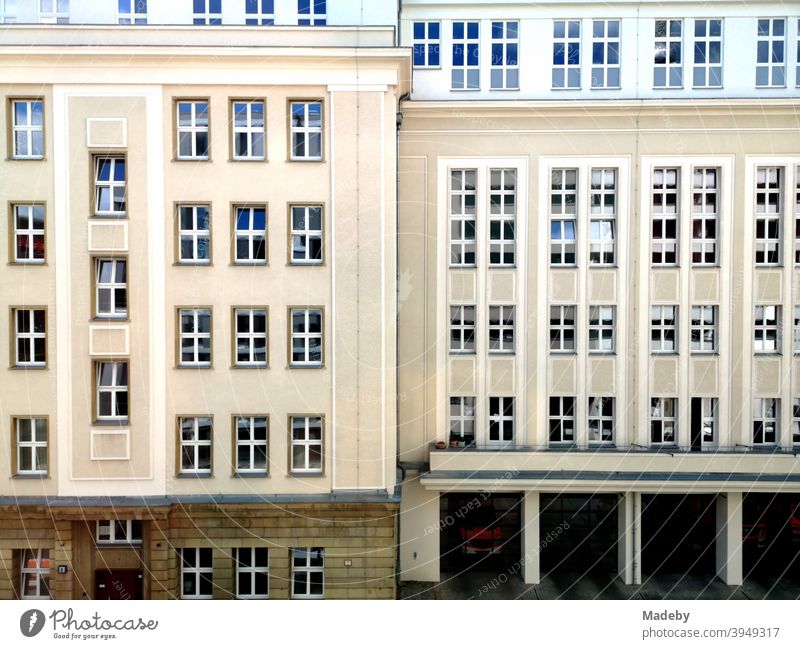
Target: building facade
(199,393)
(598,332)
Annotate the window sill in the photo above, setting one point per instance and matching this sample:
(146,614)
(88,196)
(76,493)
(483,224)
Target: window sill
(26,159)
(28,367)
(194,367)
(121,216)
(305,160)
(603,266)
(427,67)
(193,263)
(263,366)
(305,264)
(108,318)
(30,476)
(563,352)
(768,266)
(248,159)
(767,354)
(654,353)
(245,475)
(305,367)
(27,263)
(306,474)
(198,159)
(598,352)
(501,352)
(707,354)
(193,476)
(249,264)
(461,353)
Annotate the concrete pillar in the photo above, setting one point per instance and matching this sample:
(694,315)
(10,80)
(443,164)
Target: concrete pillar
(420,531)
(629,538)
(728,543)
(530,537)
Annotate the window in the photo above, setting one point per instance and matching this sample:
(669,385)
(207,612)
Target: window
(563,216)
(112,391)
(54,11)
(668,61)
(30,337)
(705,210)
(562,328)
(111,288)
(463,200)
(797,194)
(194,234)
(605,53)
(462,329)
(31,438)
(28,128)
(109,186)
(561,420)
(306,130)
(195,337)
(505,51)
(663,420)
(566,54)
(251,445)
(769,209)
(196,573)
(252,572)
(466,70)
(771,53)
(665,217)
(248,130)
(35,574)
(501,329)
(663,329)
(195,444)
(501,420)
(796,422)
(704,328)
(311,12)
(250,335)
(207,12)
(703,422)
(462,421)
(29,242)
(306,444)
(797,79)
(707,71)
(308,573)
(8,11)
(132,12)
(426,44)
(306,337)
(502,200)
(601,420)
(603,223)
(259,12)
(193,139)
(119,532)
(602,329)
(766,330)
(306,234)
(765,421)
(250,237)
(796,341)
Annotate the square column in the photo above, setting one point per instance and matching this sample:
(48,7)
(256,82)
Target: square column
(530,537)
(728,544)
(629,538)
(420,531)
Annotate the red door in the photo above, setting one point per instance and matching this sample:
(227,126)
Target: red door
(118,584)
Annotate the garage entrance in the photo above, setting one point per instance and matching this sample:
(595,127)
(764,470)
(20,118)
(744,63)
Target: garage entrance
(771,537)
(480,531)
(678,534)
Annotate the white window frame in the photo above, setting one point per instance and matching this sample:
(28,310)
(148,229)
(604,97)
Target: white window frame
(660,327)
(665,44)
(251,132)
(461,416)
(559,326)
(665,249)
(259,17)
(769,216)
(600,72)
(108,528)
(28,337)
(308,569)
(36,466)
(797,71)
(776,49)
(136,14)
(247,570)
(704,329)
(199,569)
(24,213)
(502,325)
(307,336)
(118,266)
(509,72)
(658,415)
(112,186)
(247,424)
(460,77)
(250,235)
(705,215)
(195,235)
(602,426)
(766,414)
(207,17)
(193,129)
(250,337)
(498,418)
(709,421)
(797,192)
(561,418)
(767,329)
(796,331)
(795,422)
(564,249)
(463,329)
(307,442)
(190,447)
(706,40)
(33,132)
(40,556)
(196,335)
(603,217)
(306,131)
(304,234)
(602,323)
(53,12)
(8,12)
(462,214)
(313,17)
(564,70)
(427,42)
(502,217)
(114,389)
